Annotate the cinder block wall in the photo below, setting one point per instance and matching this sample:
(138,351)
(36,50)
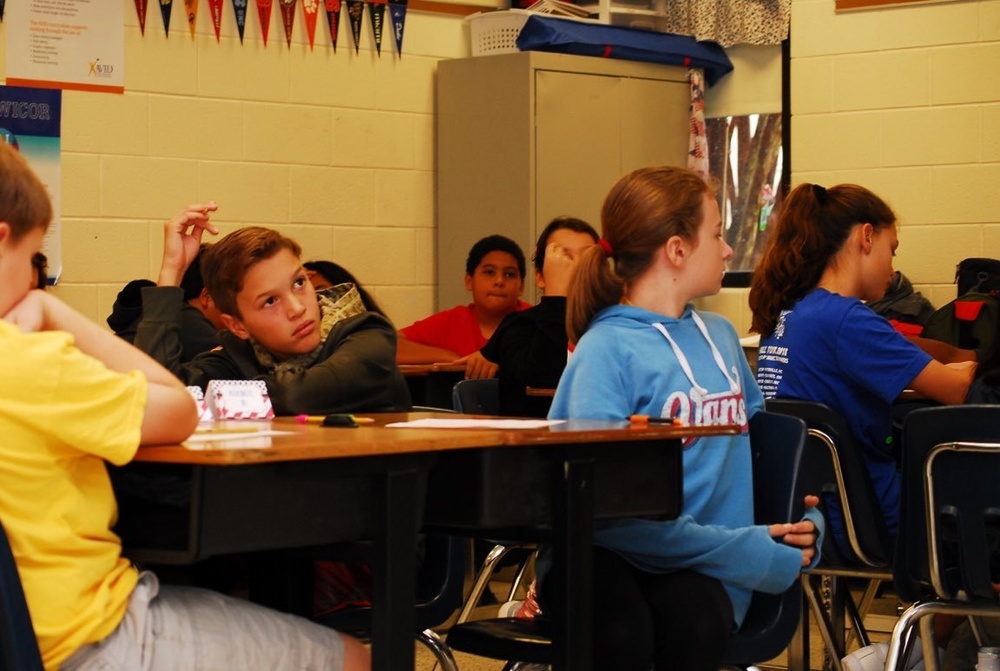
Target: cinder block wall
(335,149)
(906,101)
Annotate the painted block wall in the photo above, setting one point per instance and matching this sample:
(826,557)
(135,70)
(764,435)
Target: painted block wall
(334,149)
(906,101)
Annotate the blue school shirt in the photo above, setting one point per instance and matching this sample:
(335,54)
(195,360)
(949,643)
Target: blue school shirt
(833,349)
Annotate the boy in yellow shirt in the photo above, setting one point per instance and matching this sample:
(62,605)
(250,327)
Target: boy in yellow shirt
(73,396)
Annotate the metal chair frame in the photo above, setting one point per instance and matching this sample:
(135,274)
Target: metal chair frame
(971,433)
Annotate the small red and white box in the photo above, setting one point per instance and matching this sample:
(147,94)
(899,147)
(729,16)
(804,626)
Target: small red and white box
(239,399)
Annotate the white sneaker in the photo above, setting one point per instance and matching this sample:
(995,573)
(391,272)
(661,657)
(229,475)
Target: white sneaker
(509,609)
(872,658)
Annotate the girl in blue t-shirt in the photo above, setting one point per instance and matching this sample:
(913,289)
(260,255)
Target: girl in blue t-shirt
(830,252)
(668,594)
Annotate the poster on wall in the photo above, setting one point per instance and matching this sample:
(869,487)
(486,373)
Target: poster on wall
(30,121)
(66,44)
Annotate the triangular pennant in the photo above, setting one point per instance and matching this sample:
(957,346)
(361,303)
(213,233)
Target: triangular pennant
(376,9)
(215,11)
(397,14)
(264,14)
(191,10)
(165,7)
(356,14)
(240,8)
(140,9)
(310,8)
(288,18)
(333,18)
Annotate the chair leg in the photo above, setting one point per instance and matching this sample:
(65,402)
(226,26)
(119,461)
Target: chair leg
(440,650)
(482,581)
(859,612)
(519,578)
(823,621)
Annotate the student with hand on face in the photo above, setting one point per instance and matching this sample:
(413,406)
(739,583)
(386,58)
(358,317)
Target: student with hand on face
(72,398)
(494,273)
(531,346)
(316,354)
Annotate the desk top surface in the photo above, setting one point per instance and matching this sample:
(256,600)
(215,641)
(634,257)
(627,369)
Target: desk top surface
(307,441)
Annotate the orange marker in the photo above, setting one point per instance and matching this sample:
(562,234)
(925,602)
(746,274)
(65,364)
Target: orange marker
(648,419)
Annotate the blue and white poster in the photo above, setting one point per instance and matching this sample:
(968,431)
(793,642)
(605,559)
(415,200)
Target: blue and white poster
(30,121)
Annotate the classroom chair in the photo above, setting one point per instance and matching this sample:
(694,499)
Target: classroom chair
(18,645)
(948,547)
(440,588)
(482,397)
(477,397)
(778,445)
(834,469)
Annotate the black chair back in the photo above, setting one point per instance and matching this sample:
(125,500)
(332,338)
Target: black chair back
(476,397)
(18,645)
(778,445)
(834,469)
(950,495)
(440,589)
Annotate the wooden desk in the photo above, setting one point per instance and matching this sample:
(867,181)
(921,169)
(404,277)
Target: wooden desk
(551,484)
(313,487)
(318,486)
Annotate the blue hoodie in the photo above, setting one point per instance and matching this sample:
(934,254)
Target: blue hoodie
(625,364)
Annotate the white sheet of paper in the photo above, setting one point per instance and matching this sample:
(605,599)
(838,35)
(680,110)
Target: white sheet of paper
(232,439)
(475,424)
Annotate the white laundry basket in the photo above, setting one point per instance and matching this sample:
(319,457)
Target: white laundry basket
(495,32)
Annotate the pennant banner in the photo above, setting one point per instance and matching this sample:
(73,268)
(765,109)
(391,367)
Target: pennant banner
(288,18)
(397,14)
(310,8)
(240,8)
(333,18)
(191,10)
(165,7)
(215,11)
(140,9)
(376,8)
(356,14)
(264,14)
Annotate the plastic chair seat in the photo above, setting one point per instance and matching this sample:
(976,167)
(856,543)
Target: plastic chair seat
(505,638)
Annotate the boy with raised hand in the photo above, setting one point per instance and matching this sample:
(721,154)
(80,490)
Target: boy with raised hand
(317,354)
(200,320)
(73,396)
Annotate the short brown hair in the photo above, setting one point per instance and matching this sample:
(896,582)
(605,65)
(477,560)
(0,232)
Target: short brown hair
(24,202)
(225,264)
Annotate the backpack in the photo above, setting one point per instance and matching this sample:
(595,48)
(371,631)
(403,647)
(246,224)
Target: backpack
(970,322)
(978,275)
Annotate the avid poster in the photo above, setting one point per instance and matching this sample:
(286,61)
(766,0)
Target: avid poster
(66,44)
(30,121)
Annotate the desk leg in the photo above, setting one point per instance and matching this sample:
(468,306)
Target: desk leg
(573,537)
(394,573)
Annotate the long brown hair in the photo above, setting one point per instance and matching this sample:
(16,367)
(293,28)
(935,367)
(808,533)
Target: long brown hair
(813,225)
(644,209)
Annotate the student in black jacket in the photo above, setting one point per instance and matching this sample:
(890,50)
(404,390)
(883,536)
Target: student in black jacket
(531,346)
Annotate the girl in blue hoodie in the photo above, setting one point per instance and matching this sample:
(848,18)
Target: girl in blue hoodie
(668,594)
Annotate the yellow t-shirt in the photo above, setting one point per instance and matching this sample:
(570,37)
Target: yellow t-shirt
(62,414)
